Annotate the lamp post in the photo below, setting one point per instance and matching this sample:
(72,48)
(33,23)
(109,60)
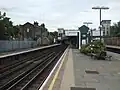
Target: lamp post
(100,8)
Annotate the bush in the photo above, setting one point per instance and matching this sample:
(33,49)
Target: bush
(93,47)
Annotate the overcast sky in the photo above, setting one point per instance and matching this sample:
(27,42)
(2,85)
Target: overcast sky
(60,13)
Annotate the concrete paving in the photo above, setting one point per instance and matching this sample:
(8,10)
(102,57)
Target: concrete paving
(107,79)
(68,76)
(84,73)
(115,56)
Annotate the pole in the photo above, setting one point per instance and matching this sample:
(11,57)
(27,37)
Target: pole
(91,34)
(79,40)
(100,25)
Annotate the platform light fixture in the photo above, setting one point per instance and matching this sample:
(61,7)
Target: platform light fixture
(100,8)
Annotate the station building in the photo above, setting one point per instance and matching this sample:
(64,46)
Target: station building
(74,37)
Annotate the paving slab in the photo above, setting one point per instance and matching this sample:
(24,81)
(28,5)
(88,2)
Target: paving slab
(68,76)
(107,79)
(115,56)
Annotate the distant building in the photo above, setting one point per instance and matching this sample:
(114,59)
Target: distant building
(84,34)
(37,30)
(106,27)
(61,33)
(30,31)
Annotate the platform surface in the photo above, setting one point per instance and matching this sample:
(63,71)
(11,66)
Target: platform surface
(81,71)
(22,51)
(111,46)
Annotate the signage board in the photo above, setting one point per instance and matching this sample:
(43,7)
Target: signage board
(97,33)
(71,33)
(59,38)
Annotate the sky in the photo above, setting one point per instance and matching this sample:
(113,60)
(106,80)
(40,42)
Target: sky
(68,14)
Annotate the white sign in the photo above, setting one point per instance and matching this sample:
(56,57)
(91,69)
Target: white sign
(59,38)
(97,33)
(71,33)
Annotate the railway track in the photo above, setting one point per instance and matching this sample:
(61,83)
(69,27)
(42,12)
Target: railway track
(5,77)
(19,62)
(31,74)
(115,50)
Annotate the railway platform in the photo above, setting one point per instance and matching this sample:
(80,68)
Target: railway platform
(16,52)
(111,46)
(77,71)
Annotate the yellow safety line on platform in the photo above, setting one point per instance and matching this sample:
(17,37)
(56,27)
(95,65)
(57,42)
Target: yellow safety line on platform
(57,72)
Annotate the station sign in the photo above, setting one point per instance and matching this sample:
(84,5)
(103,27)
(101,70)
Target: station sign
(71,33)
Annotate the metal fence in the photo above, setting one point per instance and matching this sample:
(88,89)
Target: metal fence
(16,45)
(115,41)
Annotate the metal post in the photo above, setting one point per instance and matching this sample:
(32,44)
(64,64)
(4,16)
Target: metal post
(79,40)
(100,25)
(100,8)
(91,35)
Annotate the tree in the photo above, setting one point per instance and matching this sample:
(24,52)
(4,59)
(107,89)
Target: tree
(43,25)
(51,37)
(16,31)
(115,29)
(43,29)
(2,27)
(2,31)
(6,27)
(55,34)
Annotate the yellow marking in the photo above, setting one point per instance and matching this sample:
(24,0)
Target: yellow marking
(57,72)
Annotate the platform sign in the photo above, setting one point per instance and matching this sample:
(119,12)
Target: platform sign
(71,33)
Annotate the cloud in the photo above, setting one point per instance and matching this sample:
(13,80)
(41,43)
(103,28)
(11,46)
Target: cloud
(59,13)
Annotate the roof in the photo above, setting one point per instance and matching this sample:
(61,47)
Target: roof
(105,20)
(83,29)
(28,24)
(70,30)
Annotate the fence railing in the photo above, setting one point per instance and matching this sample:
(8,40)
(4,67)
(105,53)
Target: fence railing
(15,45)
(115,41)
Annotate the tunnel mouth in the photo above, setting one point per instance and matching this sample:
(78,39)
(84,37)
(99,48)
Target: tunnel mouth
(72,41)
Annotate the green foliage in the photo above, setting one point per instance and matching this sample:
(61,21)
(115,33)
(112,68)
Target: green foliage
(2,31)
(93,47)
(6,27)
(115,29)
(52,36)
